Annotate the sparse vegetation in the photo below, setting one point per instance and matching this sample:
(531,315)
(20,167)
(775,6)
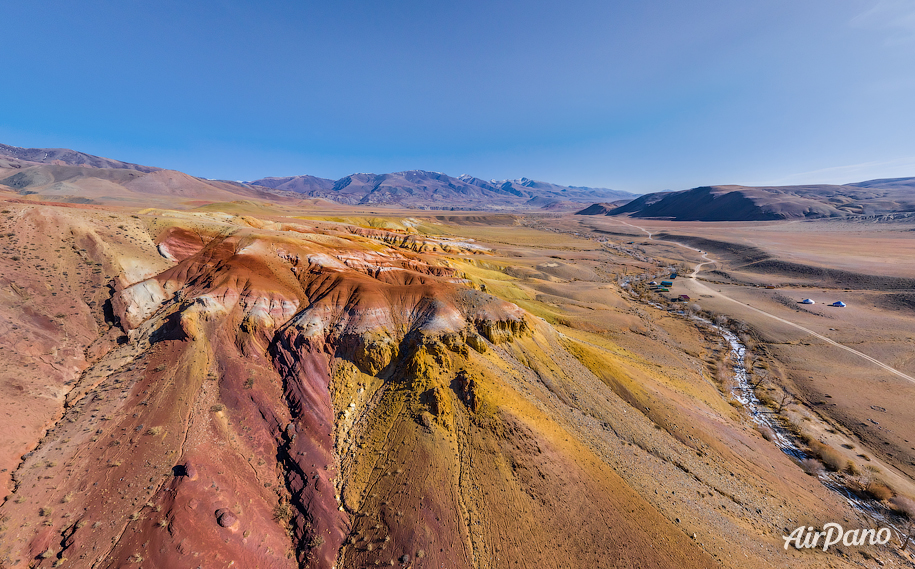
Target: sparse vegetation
(879,491)
(905,506)
(154,431)
(784,399)
(282,513)
(812,466)
(831,458)
(217,408)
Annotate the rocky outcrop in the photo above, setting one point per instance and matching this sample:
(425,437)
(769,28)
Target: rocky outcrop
(298,401)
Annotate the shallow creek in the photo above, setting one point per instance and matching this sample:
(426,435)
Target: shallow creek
(783,439)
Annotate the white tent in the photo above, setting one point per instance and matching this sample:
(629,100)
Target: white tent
(807,301)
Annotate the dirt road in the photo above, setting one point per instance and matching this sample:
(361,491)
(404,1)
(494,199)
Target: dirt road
(707,290)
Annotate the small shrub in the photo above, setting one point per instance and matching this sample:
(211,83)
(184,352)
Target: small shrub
(67,498)
(217,408)
(282,513)
(46,553)
(797,431)
(766,432)
(904,506)
(45,512)
(154,431)
(880,491)
(249,383)
(852,469)
(160,367)
(832,459)
(812,466)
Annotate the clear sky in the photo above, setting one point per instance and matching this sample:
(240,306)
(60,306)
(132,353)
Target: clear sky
(634,95)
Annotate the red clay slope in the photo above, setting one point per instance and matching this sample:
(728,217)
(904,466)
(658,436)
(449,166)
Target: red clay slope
(301,400)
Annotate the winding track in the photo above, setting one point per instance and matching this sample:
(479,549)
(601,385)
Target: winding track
(698,284)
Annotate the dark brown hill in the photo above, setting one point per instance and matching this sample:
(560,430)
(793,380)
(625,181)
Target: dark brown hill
(743,203)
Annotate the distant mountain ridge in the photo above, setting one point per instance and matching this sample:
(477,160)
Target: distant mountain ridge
(62,175)
(65,156)
(48,173)
(435,190)
(745,203)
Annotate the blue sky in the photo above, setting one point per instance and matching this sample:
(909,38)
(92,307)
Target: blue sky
(639,96)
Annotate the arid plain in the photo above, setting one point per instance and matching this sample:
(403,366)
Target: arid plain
(287,384)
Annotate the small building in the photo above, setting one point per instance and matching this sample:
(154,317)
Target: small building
(808,301)
(667,283)
(684,297)
(663,289)
(838,304)
(673,275)
(653,283)
(771,286)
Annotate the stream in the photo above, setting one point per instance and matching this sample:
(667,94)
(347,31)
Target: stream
(783,439)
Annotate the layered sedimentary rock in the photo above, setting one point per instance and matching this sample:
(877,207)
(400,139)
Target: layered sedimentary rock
(294,400)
